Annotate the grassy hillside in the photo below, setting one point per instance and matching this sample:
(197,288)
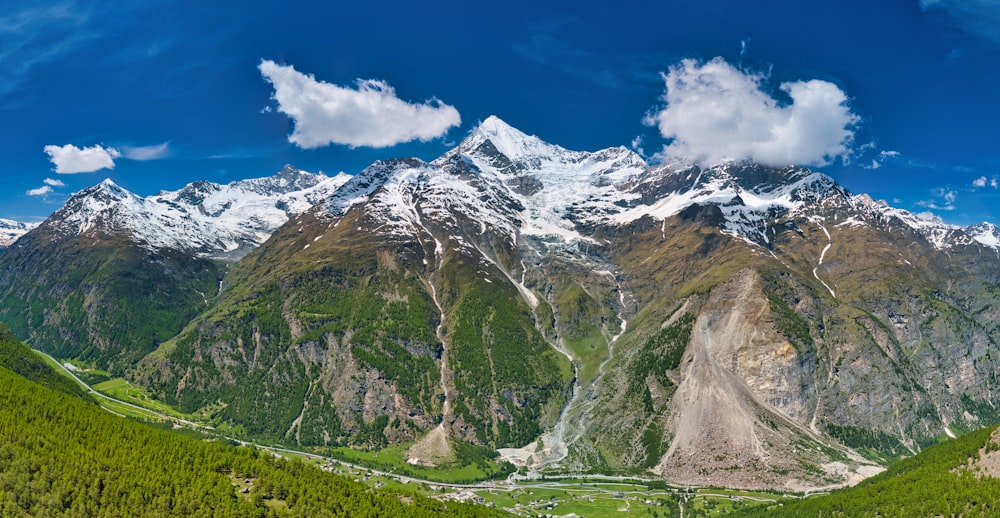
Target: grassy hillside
(60,456)
(940,481)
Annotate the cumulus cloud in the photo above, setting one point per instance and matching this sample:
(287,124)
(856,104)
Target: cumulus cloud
(368,115)
(716,112)
(144,153)
(983,181)
(53,182)
(70,159)
(41,191)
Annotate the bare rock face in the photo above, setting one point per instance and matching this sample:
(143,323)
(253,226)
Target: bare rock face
(740,401)
(739,330)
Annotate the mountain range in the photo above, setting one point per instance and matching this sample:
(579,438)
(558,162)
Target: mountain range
(736,325)
(203,219)
(11,230)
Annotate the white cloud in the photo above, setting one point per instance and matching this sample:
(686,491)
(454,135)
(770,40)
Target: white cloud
(368,115)
(143,153)
(983,181)
(883,156)
(929,216)
(637,145)
(41,191)
(715,112)
(70,159)
(45,189)
(945,200)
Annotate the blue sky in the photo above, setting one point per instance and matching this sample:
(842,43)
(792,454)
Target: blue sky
(893,98)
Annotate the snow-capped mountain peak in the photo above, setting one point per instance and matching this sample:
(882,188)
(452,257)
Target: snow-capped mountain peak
(520,185)
(985,233)
(110,190)
(362,185)
(938,233)
(547,182)
(748,195)
(11,230)
(205,218)
(289,179)
(498,179)
(100,205)
(527,153)
(513,143)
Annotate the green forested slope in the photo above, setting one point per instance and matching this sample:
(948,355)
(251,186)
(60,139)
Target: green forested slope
(17,357)
(60,456)
(332,335)
(101,299)
(936,482)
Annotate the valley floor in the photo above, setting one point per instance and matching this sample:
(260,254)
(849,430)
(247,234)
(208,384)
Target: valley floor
(579,495)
